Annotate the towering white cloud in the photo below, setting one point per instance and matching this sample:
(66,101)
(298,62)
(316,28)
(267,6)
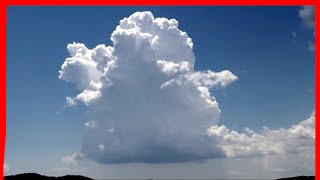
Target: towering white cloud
(148,104)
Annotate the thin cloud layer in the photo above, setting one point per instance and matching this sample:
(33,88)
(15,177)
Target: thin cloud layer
(146,103)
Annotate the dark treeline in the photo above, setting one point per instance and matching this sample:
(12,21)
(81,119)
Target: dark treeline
(34,176)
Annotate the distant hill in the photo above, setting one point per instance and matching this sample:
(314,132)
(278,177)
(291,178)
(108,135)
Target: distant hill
(299,178)
(34,176)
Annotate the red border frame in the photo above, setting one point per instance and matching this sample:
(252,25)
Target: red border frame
(6,3)
(162,2)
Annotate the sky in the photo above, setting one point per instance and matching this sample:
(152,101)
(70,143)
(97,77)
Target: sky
(168,92)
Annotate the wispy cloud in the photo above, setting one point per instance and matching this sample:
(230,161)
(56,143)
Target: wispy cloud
(70,164)
(294,38)
(307,15)
(70,160)
(311,46)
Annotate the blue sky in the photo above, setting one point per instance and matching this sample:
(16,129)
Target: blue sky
(275,70)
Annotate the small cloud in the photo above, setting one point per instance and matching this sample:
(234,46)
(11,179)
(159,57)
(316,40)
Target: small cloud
(294,38)
(311,91)
(70,102)
(90,124)
(311,46)
(307,16)
(101,147)
(70,164)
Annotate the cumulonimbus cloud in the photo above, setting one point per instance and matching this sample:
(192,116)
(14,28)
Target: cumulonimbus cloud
(146,103)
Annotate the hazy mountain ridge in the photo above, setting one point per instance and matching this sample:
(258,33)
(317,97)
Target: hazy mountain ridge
(35,176)
(299,178)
